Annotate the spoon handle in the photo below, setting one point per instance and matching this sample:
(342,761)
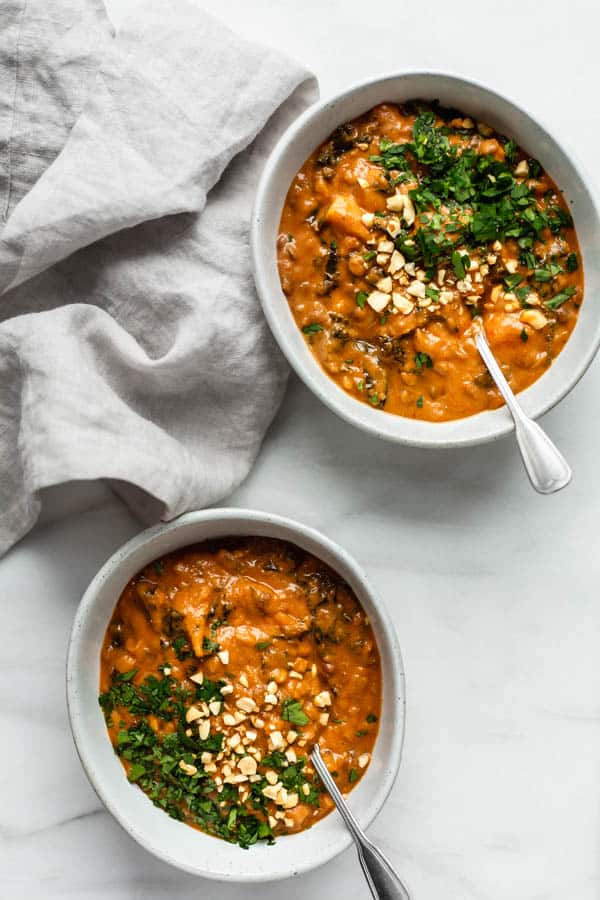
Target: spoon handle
(381,878)
(545,465)
(383,882)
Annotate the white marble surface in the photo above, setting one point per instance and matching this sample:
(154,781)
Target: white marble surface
(494,591)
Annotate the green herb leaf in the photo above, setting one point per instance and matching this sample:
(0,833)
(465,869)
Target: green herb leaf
(547,273)
(313,328)
(423,361)
(511,281)
(291,711)
(210,646)
(181,647)
(572,263)
(136,772)
(560,298)
(458,263)
(361,299)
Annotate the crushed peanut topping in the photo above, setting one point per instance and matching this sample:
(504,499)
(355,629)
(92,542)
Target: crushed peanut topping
(231,757)
(394,238)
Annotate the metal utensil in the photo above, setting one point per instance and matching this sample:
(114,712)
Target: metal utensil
(546,467)
(381,878)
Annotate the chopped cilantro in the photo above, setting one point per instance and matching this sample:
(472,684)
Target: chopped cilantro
(560,298)
(512,281)
(313,328)
(159,763)
(352,776)
(291,711)
(423,361)
(572,263)
(391,155)
(510,151)
(458,263)
(420,402)
(547,273)
(361,299)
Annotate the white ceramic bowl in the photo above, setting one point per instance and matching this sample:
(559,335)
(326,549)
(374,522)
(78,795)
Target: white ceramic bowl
(480,102)
(166,838)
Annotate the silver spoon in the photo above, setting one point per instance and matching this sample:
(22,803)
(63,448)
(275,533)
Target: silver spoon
(381,878)
(546,467)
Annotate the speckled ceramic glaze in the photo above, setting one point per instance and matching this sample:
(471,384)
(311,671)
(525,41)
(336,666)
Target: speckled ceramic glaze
(313,127)
(168,839)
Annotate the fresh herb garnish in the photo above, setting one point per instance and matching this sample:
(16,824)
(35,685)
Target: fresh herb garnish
(512,281)
(458,263)
(181,647)
(572,263)
(560,298)
(547,273)
(210,646)
(168,768)
(313,328)
(291,711)
(361,299)
(423,361)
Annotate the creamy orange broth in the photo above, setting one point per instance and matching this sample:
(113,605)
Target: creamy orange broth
(393,328)
(288,654)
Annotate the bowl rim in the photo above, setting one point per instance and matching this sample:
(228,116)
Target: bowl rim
(396,685)
(375,421)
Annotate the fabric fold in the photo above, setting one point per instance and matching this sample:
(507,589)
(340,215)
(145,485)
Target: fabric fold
(133,346)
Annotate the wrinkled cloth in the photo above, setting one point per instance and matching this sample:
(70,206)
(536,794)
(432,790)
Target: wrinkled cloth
(132,345)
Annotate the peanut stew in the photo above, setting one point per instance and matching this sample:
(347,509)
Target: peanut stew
(404,226)
(222,664)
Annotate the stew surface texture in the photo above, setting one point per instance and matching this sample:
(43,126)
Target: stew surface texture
(400,230)
(221,666)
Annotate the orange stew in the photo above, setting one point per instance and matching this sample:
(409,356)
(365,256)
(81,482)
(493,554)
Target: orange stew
(404,227)
(221,666)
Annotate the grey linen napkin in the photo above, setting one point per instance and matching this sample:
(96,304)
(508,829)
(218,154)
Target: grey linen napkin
(132,345)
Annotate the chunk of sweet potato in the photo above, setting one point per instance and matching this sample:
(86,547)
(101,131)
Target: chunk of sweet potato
(345,214)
